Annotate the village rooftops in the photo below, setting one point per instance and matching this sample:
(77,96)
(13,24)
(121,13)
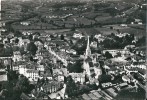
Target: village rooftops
(138,63)
(76,75)
(62,71)
(112,92)
(46,74)
(32,71)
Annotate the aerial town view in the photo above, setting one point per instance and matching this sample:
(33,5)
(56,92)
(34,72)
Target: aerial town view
(73,49)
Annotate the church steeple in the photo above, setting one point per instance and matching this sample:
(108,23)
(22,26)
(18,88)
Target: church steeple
(87,54)
(88,51)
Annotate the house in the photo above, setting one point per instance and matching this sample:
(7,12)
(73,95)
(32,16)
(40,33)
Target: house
(27,32)
(31,71)
(23,42)
(39,45)
(124,25)
(2,23)
(17,56)
(51,87)
(5,41)
(112,71)
(115,51)
(59,74)
(123,85)
(45,38)
(78,77)
(13,40)
(46,74)
(32,75)
(15,67)
(138,20)
(25,23)
(86,97)
(106,85)
(125,78)
(58,96)
(120,35)
(99,38)
(71,51)
(61,71)
(40,68)
(111,92)
(3,76)
(93,44)
(78,35)
(140,65)
(39,95)
(129,47)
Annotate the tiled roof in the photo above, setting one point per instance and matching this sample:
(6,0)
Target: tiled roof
(77,75)
(32,71)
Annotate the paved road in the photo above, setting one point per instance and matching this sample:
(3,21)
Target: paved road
(58,57)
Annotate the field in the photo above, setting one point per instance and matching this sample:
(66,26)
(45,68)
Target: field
(78,20)
(48,32)
(137,32)
(93,15)
(97,30)
(34,26)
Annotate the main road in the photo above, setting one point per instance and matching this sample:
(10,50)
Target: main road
(58,57)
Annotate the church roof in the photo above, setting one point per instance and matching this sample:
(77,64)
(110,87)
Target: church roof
(88,59)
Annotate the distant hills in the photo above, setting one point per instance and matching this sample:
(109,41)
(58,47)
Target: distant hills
(128,1)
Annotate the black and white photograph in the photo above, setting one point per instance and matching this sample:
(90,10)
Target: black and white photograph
(73,50)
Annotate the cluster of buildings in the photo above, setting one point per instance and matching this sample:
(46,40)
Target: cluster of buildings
(44,59)
(53,55)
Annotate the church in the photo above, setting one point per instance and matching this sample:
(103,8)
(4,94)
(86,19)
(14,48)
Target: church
(90,64)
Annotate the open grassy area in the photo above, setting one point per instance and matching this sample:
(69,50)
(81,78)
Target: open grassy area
(137,32)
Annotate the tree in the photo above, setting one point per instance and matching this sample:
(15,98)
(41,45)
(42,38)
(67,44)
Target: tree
(71,88)
(105,78)
(118,54)
(108,55)
(1,45)
(17,33)
(21,49)
(80,46)
(32,48)
(111,27)
(130,19)
(12,76)
(37,33)
(76,67)
(62,37)
(4,94)
(30,37)
(22,84)
(16,40)
(9,87)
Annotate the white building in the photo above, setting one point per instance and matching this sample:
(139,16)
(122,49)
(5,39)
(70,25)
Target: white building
(78,35)
(78,77)
(17,56)
(25,23)
(32,75)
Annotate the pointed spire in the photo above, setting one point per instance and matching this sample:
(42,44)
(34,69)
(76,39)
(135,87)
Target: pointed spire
(88,51)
